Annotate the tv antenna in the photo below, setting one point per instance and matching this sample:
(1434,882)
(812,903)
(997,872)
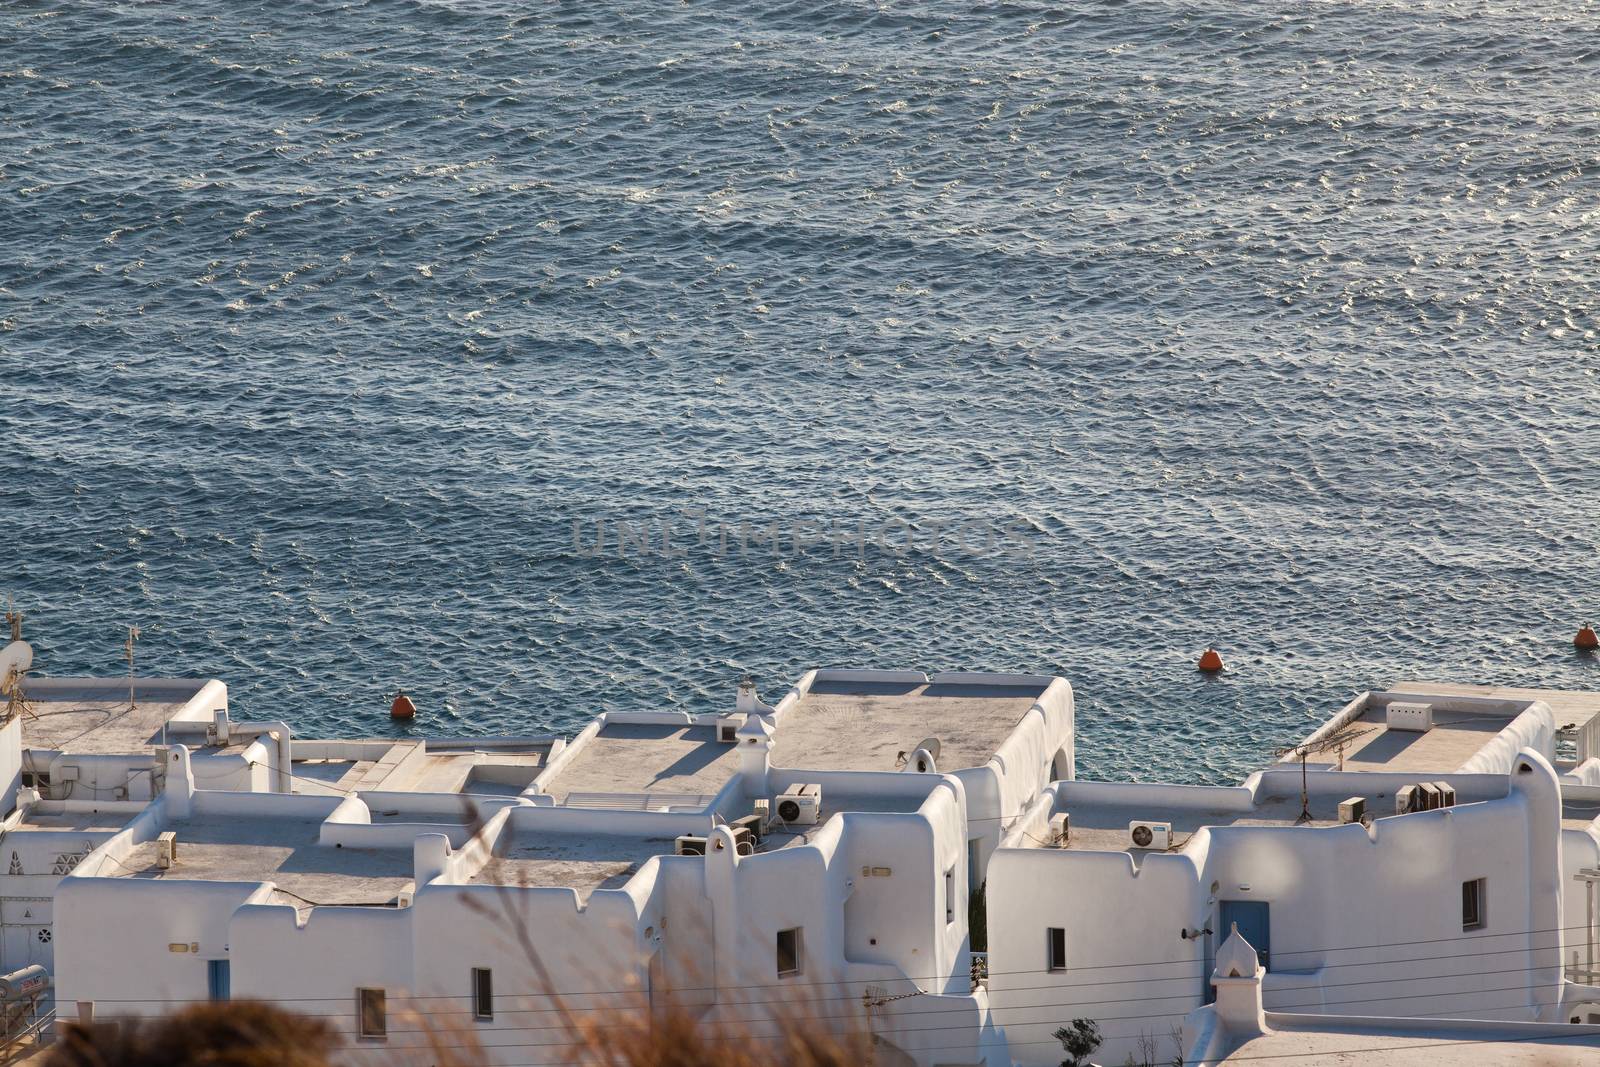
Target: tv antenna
(127,648)
(14,682)
(1335,741)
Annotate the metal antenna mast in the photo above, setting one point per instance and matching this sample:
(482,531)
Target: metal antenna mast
(127,647)
(1334,741)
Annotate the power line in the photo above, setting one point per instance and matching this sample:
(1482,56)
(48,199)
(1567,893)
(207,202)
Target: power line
(789,986)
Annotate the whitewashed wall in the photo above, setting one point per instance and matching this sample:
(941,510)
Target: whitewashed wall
(1358,918)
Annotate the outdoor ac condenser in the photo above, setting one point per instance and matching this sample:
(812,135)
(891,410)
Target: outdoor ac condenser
(802,807)
(1150,834)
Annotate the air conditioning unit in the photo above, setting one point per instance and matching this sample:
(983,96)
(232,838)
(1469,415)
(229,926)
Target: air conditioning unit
(1060,828)
(1447,794)
(1414,717)
(801,807)
(1150,834)
(166,849)
(1353,810)
(691,845)
(754,825)
(1406,800)
(728,728)
(1429,795)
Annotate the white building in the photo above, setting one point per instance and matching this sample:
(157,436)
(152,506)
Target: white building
(819,856)
(1470,909)
(410,874)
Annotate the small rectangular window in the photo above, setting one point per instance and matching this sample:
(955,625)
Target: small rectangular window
(789,961)
(372,1014)
(1057,942)
(1474,895)
(482,993)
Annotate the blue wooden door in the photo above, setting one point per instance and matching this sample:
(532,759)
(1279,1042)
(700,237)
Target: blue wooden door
(1254,919)
(218,979)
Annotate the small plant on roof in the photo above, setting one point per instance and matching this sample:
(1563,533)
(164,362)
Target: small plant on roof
(1079,1040)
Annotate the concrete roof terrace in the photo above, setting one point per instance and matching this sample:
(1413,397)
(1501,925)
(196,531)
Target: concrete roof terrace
(92,715)
(1327,1041)
(866,726)
(52,821)
(283,850)
(1579,814)
(1571,706)
(581,861)
(1100,812)
(1102,827)
(1454,739)
(1463,723)
(489,767)
(647,758)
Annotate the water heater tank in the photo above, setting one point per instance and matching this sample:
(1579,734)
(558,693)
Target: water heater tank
(28,982)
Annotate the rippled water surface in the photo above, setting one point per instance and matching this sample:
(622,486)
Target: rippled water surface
(322,325)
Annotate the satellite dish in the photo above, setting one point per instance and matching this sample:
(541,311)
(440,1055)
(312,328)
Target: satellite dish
(15,659)
(931,744)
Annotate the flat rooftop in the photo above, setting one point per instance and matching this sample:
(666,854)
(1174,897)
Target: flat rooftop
(647,758)
(584,862)
(1455,738)
(1571,706)
(1097,826)
(835,801)
(422,766)
(1344,1046)
(282,850)
(73,821)
(91,715)
(1578,814)
(865,726)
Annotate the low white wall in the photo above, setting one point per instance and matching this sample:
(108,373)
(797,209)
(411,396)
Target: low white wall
(10,762)
(1534,728)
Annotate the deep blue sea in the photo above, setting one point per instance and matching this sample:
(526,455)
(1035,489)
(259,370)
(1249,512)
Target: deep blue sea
(1265,325)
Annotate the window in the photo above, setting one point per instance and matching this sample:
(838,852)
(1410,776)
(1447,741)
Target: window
(1474,895)
(482,993)
(789,961)
(371,1013)
(1056,944)
(950,895)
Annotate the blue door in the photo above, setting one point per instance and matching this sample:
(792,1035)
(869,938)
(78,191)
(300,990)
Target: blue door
(1255,925)
(217,979)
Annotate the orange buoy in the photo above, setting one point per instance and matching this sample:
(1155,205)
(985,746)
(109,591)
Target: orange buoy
(1587,640)
(1211,661)
(402,708)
